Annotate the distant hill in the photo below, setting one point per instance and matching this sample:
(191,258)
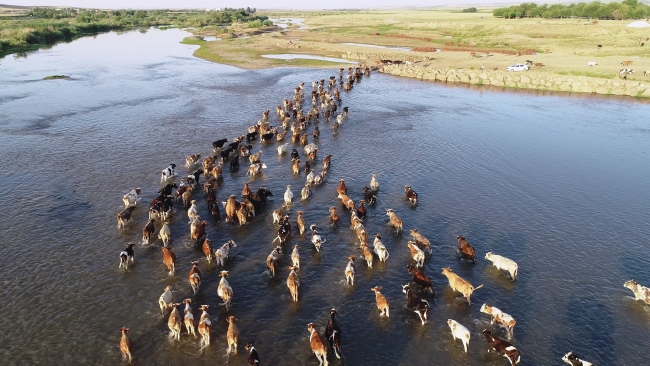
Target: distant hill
(15,7)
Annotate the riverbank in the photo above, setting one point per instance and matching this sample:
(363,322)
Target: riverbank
(453,46)
(523,80)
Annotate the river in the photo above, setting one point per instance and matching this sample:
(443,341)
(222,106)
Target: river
(558,183)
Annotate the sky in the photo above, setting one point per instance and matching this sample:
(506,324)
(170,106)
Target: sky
(259,4)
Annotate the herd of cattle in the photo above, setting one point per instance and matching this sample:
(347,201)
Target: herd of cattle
(292,117)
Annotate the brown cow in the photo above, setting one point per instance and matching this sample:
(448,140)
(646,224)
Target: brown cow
(199,232)
(169,258)
(420,279)
(467,251)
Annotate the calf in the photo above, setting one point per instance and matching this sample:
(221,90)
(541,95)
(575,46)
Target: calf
(188,318)
(293,283)
(411,195)
(147,231)
(380,249)
(466,251)
(253,357)
(640,292)
(502,319)
(459,284)
(221,254)
(164,234)
(415,303)
(416,253)
(207,249)
(126,345)
(334,216)
(459,331)
(421,241)
(295,256)
(165,300)
(503,263)
(333,334)
(124,217)
(305,193)
(300,222)
(382,303)
(169,258)
(199,232)
(317,344)
(394,220)
(374,184)
(342,188)
(174,322)
(367,254)
(573,360)
(361,210)
(420,279)
(272,260)
(232,335)
(502,347)
(205,326)
(125,256)
(194,277)
(224,290)
(349,270)
(316,239)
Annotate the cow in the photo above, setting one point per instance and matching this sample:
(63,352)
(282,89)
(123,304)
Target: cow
(459,284)
(502,319)
(416,304)
(502,347)
(503,263)
(466,250)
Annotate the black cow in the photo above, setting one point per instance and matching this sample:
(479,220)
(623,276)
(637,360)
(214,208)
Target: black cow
(415,303)
(219,143)
(333,333)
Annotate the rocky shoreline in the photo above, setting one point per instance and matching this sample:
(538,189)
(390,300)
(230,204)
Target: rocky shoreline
(523,80)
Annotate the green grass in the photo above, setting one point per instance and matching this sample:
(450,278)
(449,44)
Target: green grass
(194,40)
(591,74)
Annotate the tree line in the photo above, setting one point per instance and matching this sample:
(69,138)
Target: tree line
(627,9)
(43,26)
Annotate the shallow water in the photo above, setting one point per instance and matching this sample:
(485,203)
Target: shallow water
(559,184)
(293,56)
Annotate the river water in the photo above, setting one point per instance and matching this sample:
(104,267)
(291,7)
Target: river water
(557,183)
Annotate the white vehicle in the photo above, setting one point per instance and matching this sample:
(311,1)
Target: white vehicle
(517,67)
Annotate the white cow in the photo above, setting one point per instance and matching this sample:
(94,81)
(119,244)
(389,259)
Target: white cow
(132,197)
(459,331)
(503,263)
(502,319)
(640,292)
(221,254)
(168,172)
(592,63)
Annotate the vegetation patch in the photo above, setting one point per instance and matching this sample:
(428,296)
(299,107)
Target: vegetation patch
(56,77)
(591,74)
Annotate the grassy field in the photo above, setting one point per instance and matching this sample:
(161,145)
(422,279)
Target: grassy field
(563,46)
